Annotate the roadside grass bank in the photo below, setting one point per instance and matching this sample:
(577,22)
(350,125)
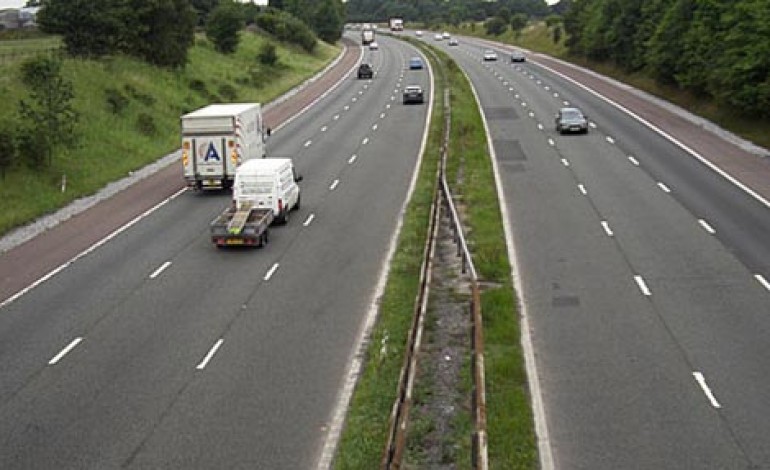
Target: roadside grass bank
(539,38)
(512,443)
(129,115)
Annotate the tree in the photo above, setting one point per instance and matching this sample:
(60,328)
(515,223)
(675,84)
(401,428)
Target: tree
(328,21)
(495,26)
(89,28)
(203,8)
(160,32)
(49,117)
(7,150)
(223,26)
(518,22)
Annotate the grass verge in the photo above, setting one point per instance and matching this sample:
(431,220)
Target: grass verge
(511,433)
(129,115)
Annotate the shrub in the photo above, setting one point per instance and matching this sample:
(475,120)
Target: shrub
(285,27)
(228,92)
(268,54)
(145,123)
(116,101)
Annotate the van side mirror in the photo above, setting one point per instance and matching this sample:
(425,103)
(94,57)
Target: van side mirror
(298,179)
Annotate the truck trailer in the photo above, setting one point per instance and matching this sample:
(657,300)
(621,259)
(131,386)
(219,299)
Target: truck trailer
(367,36)
(396,24)
(218,138)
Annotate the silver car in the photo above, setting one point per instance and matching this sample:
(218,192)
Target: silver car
(571,120)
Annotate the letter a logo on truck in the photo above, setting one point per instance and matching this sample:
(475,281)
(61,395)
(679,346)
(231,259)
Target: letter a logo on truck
(211,153)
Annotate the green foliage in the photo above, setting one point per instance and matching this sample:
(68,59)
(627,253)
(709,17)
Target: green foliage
(268,54)
(223,25)
(7,149)
(89,28)
(117,102)
(518,22)
(495,26)
(286,27)
(328,21)
(145,124)
(48,117)
(228,92)
(161,32)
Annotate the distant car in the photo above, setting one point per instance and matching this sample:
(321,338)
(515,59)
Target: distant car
(490,55)
(413,94)
(415,63)
(446,35)
(365,71)
(438,37)
(373,46)
(571,120)
(418,33)
(453,42)
(518,56)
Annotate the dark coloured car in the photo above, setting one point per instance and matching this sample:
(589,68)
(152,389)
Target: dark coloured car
(571,120)
(518,56)
(365,71)
(415,63)
(413,94)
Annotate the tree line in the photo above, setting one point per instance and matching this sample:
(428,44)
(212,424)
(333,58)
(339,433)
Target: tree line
(442,11)
(719,49)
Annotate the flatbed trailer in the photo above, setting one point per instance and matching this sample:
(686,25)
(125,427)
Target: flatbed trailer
(247,226)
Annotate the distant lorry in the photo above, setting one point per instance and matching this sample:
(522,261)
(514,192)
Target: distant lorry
(265,191)
(396,24)
(367,35)
(218,138)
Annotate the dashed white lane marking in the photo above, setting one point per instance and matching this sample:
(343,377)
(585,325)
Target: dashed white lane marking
(516,96)
(360,92)
(566,103)
(355,98)
(65,351)
(642,285)
(761,279)
(706,226)
(607,229)
(531,114)
(565,162)
(387,106)
(334,185)
(583,190)
(160,269)
(374,127)
(324,128)
(510,89)
(365,141)
(382,115)
(308,143)
(352,159)
(540,126)
(336,117)
(547,88)
(210,354)
(551,142)
(271,271)
(555,95)
(309,220)
(524,104)
(704,386)
(664,188)
(592,124)
(633,160)
(347,107)
(610,140)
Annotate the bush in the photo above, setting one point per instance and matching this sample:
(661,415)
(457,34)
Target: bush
(228,92)
(145,123)
(268,54)
(198,86)
(116,101)
(285,27)
(7,150)
(144,98)
(223,26)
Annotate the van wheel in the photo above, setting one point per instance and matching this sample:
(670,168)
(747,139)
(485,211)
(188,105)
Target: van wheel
(284,219)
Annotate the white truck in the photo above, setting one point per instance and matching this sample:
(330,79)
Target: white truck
(218,138)
(367,35)
(265,191)
(396,24)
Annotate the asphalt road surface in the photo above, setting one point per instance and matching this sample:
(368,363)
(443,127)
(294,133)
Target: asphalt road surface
(157,350)
(643,276)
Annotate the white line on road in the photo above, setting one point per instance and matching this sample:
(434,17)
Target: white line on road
(610,140)
(551,142)
(211,353)
(664,188)
(642,285)
(324,128)
(347,107)
(271,271)
(565,162)
(64,351)
(374,127)
(633,160)
(531,114)
(309,220)
(334,185)
(365,141)
(162,268)
(308,143)
(583,190)
(592,124)
(352,159)
(524,104)
(702,382)
(566,103)
(336,117)
(555,95)
(762,281)
(382,115)
(607,229)
(547,88)
(355,98)
(387,106)
(706,226)
(540,126)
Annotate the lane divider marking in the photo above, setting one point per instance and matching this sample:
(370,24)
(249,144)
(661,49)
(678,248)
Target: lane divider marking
(642,285)
(210,354)
(704,386)
(706,226)
(65,351)
(160,269)
(309,220)
(271,271)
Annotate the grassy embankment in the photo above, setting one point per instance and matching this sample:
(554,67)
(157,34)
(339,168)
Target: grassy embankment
(511,435)
(537,37)
(129,114)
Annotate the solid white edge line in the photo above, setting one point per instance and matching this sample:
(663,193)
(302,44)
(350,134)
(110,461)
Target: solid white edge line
(160,269)
(92,248)
(607,229)
(334,185)
(666,135)
(664,188)
(358,351)
(538,408)
(704,386)
(65,351)
(210,354)
(309,220)
(761,279)
(271,271)
(706,226)
(642,285)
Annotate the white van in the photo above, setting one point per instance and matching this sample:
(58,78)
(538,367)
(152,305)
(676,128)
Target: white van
(267,183)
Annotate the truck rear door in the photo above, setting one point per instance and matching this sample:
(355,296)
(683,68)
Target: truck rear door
(209,158)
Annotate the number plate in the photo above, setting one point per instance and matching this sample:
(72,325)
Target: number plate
(234,241)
